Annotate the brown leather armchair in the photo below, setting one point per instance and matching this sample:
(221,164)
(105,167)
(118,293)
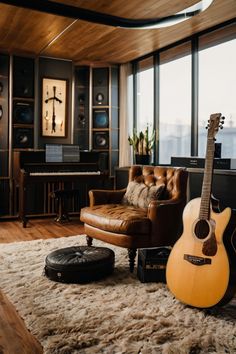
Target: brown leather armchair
(111,220)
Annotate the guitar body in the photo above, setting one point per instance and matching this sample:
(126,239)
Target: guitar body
(195,278)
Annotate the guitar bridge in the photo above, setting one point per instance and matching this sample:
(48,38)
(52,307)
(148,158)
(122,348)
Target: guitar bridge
(196,260)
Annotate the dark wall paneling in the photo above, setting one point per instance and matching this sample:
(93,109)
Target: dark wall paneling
(114,161)
(4,119)
(56,69)
(115,118)
(3,163)
(114,86)
(4,134)
(115,139)
(4,193)
(222,187)
(23,77)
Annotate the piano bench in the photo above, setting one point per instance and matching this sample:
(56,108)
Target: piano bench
(62,196)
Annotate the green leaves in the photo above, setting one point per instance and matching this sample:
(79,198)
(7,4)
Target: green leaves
(142,142)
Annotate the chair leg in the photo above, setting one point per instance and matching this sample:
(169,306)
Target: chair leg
(132,254)
(89,240)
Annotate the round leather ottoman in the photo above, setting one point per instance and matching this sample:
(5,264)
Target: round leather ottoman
(80,264)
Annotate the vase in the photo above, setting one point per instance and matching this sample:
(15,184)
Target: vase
(142,159)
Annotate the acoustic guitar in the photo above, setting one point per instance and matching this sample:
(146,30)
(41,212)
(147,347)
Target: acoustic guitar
(198,269)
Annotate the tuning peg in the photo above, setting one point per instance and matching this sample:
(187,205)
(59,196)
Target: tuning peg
(223,118)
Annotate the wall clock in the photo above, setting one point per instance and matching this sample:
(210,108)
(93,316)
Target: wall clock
(54,92)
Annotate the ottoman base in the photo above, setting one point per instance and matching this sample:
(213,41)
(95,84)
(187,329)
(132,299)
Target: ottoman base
(81,264)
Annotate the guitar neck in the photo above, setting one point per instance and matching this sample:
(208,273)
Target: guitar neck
(207,180)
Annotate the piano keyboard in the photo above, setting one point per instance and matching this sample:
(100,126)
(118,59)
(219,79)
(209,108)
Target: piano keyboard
(65,173)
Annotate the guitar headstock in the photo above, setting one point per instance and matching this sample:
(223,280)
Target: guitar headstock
(215,123)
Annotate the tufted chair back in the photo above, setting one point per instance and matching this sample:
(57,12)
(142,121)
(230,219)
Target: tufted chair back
(156,175)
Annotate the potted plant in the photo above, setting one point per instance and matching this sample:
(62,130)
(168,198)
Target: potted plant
(142,143)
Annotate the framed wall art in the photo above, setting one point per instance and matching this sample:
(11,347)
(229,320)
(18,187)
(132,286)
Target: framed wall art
(54,120)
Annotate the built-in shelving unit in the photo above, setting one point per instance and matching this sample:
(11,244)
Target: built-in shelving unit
(23,103)
(81,111)
(97,113)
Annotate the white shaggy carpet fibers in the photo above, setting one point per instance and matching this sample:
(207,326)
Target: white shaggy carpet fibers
(113,316)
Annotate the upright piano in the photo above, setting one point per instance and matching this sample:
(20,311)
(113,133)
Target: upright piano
(30,167)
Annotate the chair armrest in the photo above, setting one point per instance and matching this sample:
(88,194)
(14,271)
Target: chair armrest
(166,219)
(105,196)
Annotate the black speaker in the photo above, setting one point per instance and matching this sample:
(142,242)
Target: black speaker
(100,118)
(23,138)
(101,140)
(100,86)
(217,153)
(103,161)
(23,77)
(100,77)
(100,96)
(23,112)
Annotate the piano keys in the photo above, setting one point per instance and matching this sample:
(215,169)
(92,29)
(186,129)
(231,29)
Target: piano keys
(30,168)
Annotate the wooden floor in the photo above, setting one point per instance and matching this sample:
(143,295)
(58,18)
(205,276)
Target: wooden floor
(14,337)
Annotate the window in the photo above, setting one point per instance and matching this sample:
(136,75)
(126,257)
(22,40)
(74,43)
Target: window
(217,87)
(181,113)
(175,103)
(145,94)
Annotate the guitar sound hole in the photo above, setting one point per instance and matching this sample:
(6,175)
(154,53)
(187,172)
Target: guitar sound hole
(202,229)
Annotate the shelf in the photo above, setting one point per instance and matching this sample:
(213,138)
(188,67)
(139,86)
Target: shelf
(81,86)
(100,106)
(27,99)
(20,125)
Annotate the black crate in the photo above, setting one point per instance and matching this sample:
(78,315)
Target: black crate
(152,264)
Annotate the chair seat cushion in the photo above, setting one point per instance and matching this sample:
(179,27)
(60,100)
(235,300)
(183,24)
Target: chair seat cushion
(123,219)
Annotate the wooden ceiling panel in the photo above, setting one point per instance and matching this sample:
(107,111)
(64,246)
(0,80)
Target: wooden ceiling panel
(81,36)
(132,8)
(27,31)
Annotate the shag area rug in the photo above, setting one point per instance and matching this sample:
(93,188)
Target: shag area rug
(116,315)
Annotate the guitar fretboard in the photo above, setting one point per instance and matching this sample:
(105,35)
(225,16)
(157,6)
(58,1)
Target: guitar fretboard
(204,212)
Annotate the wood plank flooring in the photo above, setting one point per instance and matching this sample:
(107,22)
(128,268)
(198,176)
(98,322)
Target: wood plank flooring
(14,336)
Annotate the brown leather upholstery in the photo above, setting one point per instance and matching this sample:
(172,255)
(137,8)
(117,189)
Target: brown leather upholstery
(131,227)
